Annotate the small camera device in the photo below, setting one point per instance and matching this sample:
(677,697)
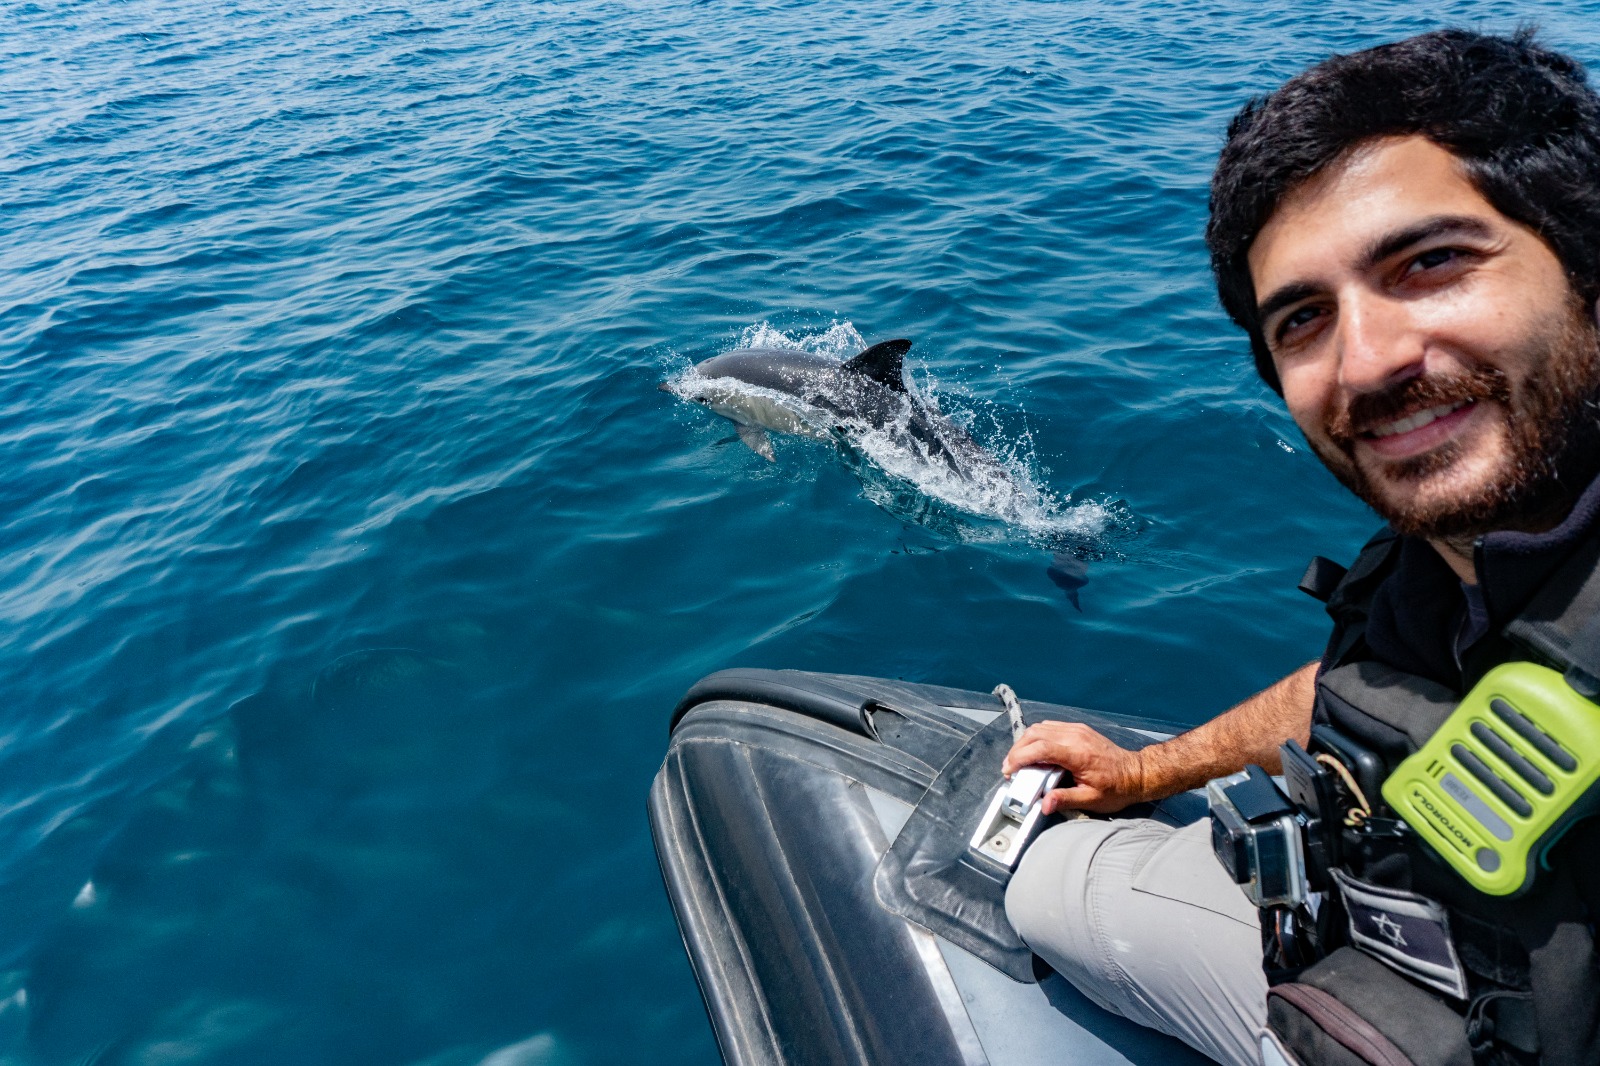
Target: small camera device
(1258,836)
(1014,816)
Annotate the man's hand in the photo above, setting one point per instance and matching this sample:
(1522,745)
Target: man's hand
(1105,777)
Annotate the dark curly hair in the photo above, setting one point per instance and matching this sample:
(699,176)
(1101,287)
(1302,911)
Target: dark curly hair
(1522,120)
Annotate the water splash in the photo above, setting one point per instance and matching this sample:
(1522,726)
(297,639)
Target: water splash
(1006,501)
(840,340)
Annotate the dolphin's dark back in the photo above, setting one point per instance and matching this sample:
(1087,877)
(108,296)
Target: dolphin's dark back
(781,369)
(815,380)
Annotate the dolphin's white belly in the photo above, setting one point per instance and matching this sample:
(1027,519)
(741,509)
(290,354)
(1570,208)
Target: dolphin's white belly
(754,409)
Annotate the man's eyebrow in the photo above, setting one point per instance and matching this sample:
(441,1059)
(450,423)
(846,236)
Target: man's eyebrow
(1437,226)
(1379,250)
(1283,297)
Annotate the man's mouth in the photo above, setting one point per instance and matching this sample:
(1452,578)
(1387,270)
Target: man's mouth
(1420,432)
(1416,417)
(1415,421)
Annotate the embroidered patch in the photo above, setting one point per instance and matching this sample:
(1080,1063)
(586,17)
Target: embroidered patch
(1409,932)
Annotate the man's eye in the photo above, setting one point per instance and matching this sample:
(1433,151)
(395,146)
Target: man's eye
(1295,319)
(1435,257)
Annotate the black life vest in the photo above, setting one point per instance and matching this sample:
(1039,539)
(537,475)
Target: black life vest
(1533,957)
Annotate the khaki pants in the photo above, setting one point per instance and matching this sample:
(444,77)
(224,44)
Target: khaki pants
(1142,918)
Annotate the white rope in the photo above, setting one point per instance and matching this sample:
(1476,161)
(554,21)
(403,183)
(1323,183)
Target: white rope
(1013,709)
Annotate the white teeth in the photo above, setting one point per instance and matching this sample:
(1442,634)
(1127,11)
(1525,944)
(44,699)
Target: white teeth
(1418,420)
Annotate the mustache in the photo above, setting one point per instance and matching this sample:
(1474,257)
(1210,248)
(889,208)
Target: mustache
(1370,410)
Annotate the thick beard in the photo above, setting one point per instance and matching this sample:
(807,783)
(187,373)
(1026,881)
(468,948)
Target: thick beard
(1553,439)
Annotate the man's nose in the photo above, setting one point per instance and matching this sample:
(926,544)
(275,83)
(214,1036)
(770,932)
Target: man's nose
(1378,344)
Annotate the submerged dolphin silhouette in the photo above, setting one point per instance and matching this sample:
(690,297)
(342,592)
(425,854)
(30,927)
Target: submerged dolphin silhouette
(1069,574)
(811,395)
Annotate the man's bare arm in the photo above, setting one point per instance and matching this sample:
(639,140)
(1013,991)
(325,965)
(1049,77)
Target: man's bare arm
(1107,777)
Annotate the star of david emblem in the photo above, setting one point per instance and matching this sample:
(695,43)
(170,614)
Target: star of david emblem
(1389,929)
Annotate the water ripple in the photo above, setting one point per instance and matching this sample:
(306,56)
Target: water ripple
(350,551)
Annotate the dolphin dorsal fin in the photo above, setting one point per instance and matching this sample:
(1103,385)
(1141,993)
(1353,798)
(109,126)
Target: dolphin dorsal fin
(881,363)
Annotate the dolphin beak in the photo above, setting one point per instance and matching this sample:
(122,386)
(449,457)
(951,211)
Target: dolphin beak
(663,387)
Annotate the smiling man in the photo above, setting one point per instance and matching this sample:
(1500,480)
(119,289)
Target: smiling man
(1431,348)
(1411,238)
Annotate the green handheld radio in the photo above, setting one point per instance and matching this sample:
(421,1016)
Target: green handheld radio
(1511,769)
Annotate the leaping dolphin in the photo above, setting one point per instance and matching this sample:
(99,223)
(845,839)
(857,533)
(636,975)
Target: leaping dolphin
(809,395)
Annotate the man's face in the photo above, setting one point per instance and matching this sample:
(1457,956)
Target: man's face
(1431,349)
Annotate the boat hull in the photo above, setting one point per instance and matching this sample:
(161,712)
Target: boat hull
(776,816)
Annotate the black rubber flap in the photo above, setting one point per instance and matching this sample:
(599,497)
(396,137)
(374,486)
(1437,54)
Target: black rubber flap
(929,876)
(789,690)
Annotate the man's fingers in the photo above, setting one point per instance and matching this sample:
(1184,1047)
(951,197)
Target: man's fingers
(1078,797)
(1036,755)
(1054,743)
(1100,766)
(1021,755)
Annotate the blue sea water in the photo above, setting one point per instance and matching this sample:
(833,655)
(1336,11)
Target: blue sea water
(353,560)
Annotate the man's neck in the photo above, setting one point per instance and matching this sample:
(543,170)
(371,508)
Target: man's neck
(1458,554)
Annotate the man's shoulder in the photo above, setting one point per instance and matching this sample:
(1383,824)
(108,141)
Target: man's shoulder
(1373,564)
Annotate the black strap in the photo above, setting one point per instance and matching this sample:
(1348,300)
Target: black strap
(1582,674)
(1562,623)
(1563,970)
(1371,566)
(1322,576)
(1352,597)
(1503,1017)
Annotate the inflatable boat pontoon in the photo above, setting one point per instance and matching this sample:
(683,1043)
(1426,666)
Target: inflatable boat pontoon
(814,834)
